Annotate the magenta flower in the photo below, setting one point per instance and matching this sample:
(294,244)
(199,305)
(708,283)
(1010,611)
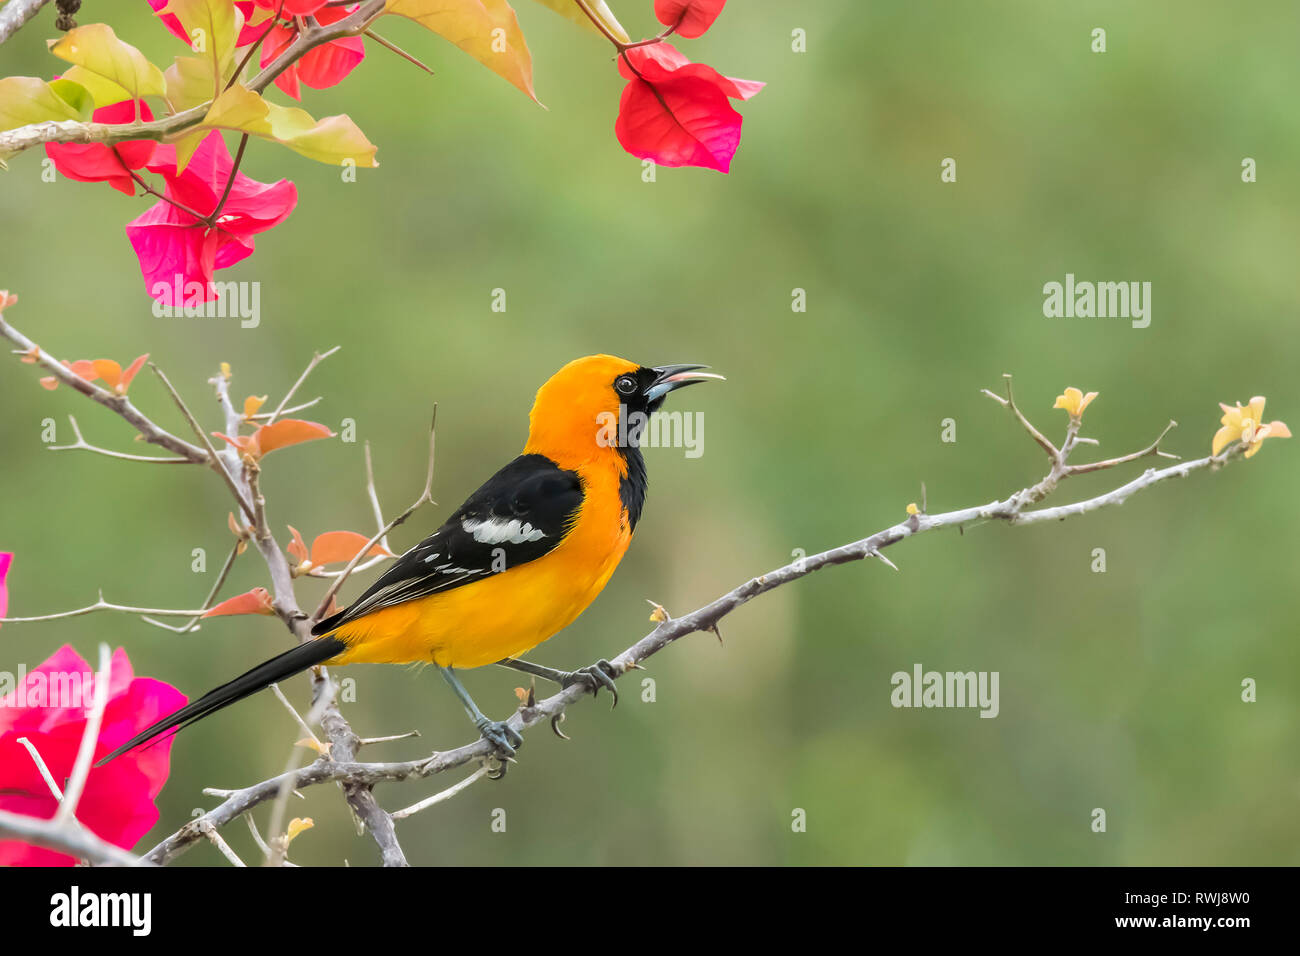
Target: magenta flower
(691,18)
(676,112)
(49,707)
(97,163)
(321,67)
(247,35)
(179,251)
(295,8)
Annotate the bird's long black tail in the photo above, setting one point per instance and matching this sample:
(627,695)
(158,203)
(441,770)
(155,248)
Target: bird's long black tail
(263,675)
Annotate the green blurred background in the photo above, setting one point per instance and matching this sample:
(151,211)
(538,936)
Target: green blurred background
(1118,690)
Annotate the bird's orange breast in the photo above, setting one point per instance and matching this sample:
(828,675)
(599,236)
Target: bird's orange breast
(509,612)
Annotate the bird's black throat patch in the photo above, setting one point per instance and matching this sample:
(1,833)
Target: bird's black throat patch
(632,486)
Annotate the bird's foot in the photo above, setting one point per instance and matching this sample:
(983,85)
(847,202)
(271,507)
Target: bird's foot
(500,735)
(594,677)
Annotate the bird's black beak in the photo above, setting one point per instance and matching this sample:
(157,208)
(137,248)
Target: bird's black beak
(668,378)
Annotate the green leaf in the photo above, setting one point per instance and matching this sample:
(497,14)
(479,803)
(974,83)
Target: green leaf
(76,96)
(186,146)
(111,70)
(333,140)
(485,29)
(570,11)
(213,27)
(26,99)
(189,83)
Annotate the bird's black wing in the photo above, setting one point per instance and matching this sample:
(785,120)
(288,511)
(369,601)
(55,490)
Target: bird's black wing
(518,515)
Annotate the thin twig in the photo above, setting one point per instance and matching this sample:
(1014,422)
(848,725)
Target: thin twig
(265,416)
(257,837)
(81,443)
(1010,402)
(89,737)
(213,458)
(253,48)
(43,769)
(442,796)
(102,605)
(373,492)
(193,624)
(302,724)
(230,180)
(425,495)
(211,833)
(316,359)
(1151,450)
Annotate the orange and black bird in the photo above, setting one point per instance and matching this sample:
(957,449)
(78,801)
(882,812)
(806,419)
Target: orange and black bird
(515,564)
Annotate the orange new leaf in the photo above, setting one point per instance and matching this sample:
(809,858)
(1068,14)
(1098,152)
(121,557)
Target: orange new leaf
(251,406)
(244,443)
(85,368)
(108,370)
(297,547)
(343,546)
(287,431)
(256,601)
(130,374)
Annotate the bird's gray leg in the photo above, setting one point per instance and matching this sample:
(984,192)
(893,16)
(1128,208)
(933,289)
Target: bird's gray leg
(594,676)
(497,732)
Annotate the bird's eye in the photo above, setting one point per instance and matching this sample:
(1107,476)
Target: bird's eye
(625,384)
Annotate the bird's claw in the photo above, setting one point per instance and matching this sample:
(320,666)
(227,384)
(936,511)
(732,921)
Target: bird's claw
(497,765)
(500,735)
(594,677)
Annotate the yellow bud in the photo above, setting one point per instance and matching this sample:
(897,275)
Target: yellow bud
(297,825)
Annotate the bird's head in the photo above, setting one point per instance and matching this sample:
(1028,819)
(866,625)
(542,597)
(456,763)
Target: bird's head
(600,403)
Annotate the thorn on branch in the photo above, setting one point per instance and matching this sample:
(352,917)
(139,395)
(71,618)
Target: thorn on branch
(390,45)
(365,741)
(1010,402)
(877,554)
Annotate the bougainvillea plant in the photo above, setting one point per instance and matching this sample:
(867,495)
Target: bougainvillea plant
(114,117)
(42,721)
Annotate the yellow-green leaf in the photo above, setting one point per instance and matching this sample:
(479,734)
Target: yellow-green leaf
(75,95)
(189,83)
(213,27)
(110,69)
(103,92)
(334,140)
(186,146)
(571,11)
(485,29)
(26,99)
